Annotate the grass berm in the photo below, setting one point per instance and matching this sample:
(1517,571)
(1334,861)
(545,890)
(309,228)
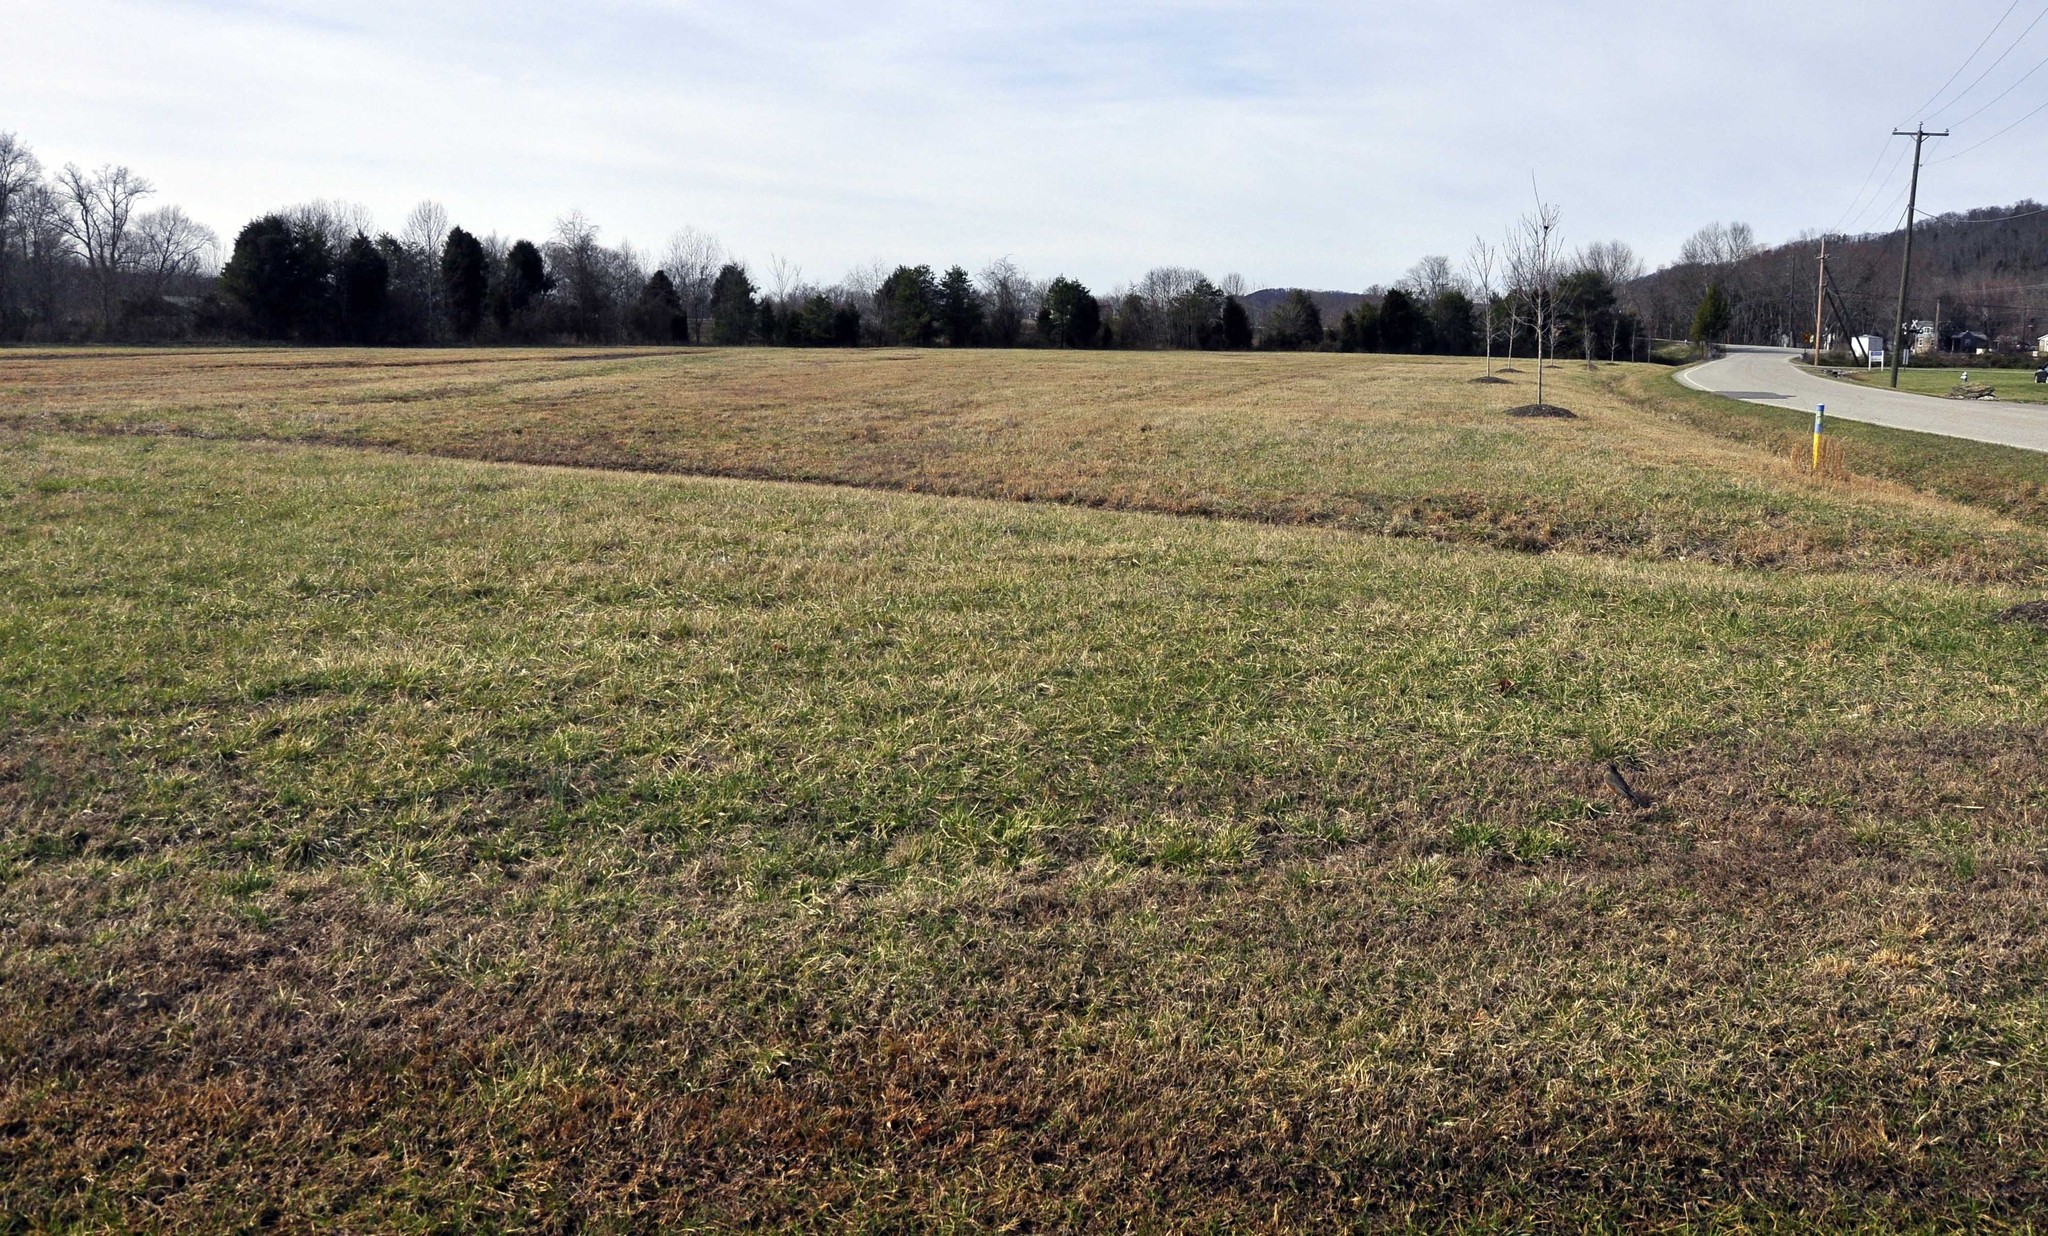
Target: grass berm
(1131,792)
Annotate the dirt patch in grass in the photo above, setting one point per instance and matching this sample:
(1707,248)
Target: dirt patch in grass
(1543,411)
(2028,613)
(1490,380)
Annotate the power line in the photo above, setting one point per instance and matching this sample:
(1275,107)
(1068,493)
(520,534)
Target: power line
(1948,221)
(1995,136)
(1858,199)
(2001,94)
(1882,186)
(1967,61)
(1896,202)
(2010,49)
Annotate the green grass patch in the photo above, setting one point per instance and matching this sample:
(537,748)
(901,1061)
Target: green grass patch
(392,842)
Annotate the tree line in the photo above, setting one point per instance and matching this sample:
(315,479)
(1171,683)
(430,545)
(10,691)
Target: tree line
(1983,271)
(80,258)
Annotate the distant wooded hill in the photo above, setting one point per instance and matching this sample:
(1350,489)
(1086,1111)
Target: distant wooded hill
(1983,270)
(1333,305)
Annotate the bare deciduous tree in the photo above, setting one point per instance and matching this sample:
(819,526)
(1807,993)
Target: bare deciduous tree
(98,207)
(783,275)
(1482,267)
(168,244)
(1430,278)
(1614,260)
(1719,244)
(1532,263)
(45,252)
(423,237)
(426,229)
(1007,292)
(693,260)
(1177,298)
(19,173)
(336,221)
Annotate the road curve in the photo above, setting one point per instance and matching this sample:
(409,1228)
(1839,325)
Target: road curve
(1768,376)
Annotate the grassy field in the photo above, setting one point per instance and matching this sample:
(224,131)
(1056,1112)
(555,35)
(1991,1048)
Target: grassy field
(392,841)
(2012,385)
(1408,448)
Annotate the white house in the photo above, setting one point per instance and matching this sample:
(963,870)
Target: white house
(1868,348)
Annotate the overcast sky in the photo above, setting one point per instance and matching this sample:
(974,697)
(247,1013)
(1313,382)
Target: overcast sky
(1327,144)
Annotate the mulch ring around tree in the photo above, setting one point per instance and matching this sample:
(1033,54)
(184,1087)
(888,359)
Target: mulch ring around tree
(2031,613)
(1490,380)
(1548,411)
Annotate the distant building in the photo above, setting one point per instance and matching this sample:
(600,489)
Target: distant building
(2041,346)
(1867,347)
(1969,341)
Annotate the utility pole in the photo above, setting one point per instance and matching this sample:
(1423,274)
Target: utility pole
(1919,136)
(1820,300)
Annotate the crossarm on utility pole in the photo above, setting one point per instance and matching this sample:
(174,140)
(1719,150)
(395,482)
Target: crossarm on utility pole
(1919,136)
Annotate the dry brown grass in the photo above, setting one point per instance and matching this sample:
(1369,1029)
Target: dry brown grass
(1400,446)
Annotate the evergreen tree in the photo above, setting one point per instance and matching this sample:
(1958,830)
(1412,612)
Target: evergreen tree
(1071,316)
(1403,328)
(815,322)
(1587,311)
(959,307)
(1450,324)
(278,279)
(846,327)
(658,314)
(1711,320)
(405,312)
(1195,317)
(733,312)
(1296,322)
(1367,319)
(523,281)
(907,305)
(363,291)
(1237,325)
(465,278)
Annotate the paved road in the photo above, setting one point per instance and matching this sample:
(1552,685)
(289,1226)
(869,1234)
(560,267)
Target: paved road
(1767,375)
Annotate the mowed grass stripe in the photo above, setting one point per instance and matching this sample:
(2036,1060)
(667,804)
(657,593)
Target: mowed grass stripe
(833,659)
(1406,446)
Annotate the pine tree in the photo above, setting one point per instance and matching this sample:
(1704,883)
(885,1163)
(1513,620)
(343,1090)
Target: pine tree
(523,280)
(278,279)
(959,307)
(465,278)
(658,314)
(1071,317)
(1711,321)
(907,304)
(363,291)
(1237,326)
(1402,326)
(733,313)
